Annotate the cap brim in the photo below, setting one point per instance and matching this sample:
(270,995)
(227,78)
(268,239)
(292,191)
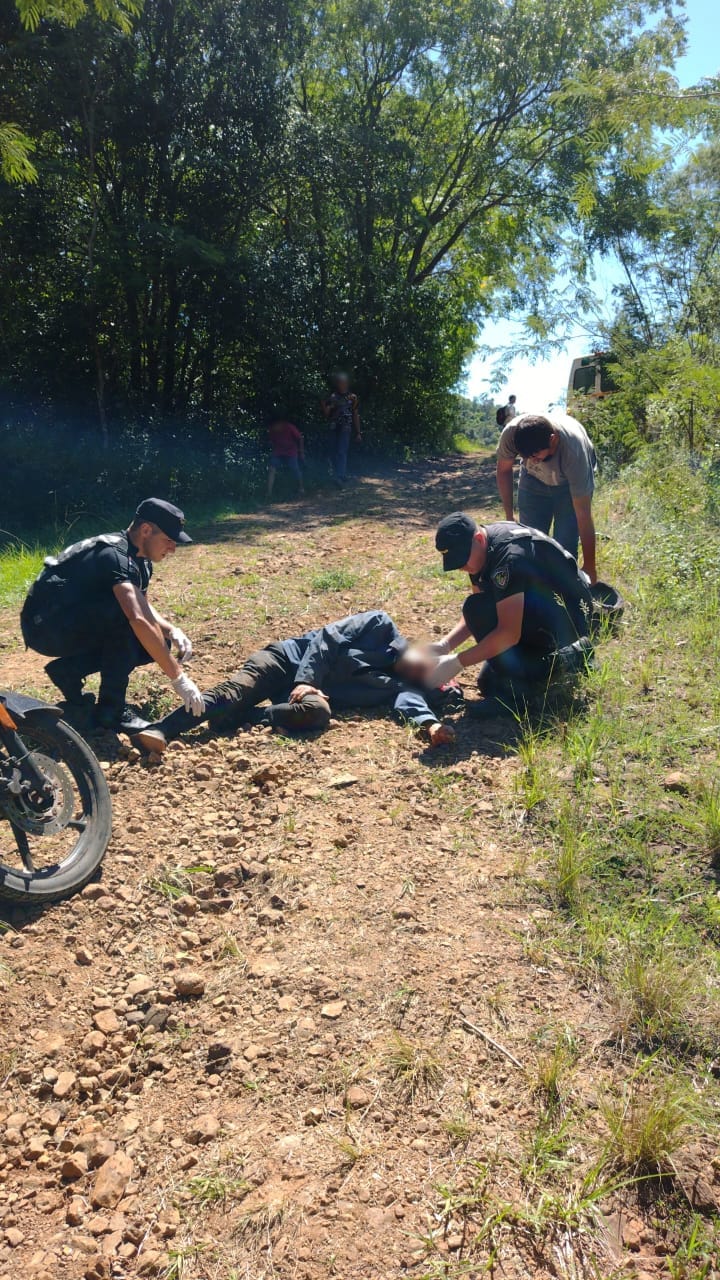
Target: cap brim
(454,560)
(183,539)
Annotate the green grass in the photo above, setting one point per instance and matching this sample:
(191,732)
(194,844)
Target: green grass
(630,853)
(647,1123)
(333,580)
(19,566)
(463,444)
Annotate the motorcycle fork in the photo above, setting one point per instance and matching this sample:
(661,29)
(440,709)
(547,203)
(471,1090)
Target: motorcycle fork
(18,752)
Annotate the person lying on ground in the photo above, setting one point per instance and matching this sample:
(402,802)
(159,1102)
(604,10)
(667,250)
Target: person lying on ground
(557,479)
(358,661)
(529,612)
(88,609)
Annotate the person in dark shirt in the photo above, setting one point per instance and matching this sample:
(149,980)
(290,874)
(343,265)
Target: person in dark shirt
(288,452)
(529,612)
(88,609)
(358,661)
(340,408)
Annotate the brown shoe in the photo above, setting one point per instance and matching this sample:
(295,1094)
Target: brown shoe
(150,740)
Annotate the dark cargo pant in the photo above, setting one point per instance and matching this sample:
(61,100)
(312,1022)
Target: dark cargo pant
(90,640)
(267,674)
(556,654)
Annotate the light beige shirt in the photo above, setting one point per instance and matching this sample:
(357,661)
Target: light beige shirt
(573,462)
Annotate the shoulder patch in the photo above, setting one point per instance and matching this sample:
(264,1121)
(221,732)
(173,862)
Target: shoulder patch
(501,577)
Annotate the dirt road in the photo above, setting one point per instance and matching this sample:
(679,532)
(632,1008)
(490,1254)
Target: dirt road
(242,1053)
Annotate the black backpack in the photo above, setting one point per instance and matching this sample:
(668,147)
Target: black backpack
(500,416)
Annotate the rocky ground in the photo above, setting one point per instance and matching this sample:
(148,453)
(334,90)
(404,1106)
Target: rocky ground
(294,1028)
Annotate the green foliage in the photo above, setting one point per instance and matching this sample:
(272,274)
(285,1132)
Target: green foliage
(665,232)
(70,12)
(648,1121)
(233,199)
(15,151)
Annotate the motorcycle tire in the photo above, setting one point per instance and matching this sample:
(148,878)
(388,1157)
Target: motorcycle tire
(60,742)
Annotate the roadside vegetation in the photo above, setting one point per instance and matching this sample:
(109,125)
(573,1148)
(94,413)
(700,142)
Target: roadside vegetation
(622,804)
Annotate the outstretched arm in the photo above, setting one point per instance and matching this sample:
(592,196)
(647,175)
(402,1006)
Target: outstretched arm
(147,628)
(504,477)
(586,529)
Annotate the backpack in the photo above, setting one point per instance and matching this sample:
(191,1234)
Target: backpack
(500,416)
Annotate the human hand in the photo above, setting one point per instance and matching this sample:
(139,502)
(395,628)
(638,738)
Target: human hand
(441,735)
(183,644)
(439,647)
(353,399)
(446,669)
(302,690)
(192,698)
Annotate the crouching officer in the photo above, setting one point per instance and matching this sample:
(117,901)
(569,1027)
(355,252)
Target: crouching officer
(88,609)
(529,612)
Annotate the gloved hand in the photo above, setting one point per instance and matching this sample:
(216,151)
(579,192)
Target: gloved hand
(446,668)
(183,643)
(439,647)
(192,698)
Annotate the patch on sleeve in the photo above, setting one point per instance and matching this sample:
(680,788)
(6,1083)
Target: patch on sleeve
(501,577)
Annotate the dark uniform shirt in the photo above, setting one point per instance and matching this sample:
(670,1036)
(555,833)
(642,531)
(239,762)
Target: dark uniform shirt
(524,561)
(83,576)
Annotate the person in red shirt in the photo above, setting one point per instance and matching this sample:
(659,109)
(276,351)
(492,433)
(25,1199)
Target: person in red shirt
(288,452)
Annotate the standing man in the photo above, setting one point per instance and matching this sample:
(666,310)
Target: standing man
(529,611)
(557,479)
(88,609)
(340,408)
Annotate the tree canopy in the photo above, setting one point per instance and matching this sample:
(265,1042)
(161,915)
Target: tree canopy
(233,198)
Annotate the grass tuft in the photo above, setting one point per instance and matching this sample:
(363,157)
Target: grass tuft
(415,1068)
(648,1122)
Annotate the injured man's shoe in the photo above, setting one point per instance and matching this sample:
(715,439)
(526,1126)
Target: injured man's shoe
(150,739)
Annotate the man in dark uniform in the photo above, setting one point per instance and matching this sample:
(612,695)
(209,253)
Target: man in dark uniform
(88,609)
(359,661)
(529,611)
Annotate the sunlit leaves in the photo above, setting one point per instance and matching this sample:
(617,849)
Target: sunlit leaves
(15,152)
(70,12)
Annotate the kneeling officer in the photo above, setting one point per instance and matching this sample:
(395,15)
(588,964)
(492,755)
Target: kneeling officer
(529,612)
(89,610)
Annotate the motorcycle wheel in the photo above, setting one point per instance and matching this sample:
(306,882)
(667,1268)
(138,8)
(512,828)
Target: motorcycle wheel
(50,855)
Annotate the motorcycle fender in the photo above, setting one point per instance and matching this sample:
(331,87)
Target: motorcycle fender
(22,708)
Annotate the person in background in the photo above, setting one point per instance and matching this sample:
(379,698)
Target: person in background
(506,412)
(288,452)
(557,480)
(511,409)
(340,409)
(88,609)
(358,661)
(529,612)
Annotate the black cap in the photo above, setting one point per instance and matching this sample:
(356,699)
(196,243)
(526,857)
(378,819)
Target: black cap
(454,539)
(168,518)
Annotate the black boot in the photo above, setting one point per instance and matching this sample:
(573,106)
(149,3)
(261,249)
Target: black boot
(118,719)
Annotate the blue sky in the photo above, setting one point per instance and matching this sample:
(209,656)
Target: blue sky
(544,383)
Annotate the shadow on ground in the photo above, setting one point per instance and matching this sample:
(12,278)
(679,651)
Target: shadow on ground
(422,492)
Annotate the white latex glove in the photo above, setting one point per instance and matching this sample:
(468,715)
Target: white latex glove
(439,647)
(446,669)
(186,689)
(183,644)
